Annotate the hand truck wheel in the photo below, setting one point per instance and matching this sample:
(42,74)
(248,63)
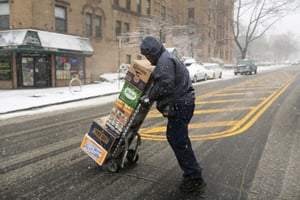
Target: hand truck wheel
(112,165)
(132,156)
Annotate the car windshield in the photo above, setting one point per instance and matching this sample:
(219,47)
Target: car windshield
(242,62)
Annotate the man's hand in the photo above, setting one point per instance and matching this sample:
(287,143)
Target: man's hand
(145,100)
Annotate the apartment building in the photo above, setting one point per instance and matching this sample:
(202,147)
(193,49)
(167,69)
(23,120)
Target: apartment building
(208,35)
(46,43)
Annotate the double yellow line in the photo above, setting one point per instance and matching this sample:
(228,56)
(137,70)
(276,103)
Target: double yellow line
(235,127)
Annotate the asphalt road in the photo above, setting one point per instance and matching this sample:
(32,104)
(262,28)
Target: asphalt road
(245,133)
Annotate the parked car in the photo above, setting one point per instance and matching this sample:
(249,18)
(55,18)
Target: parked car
(197,72)
(187,62)
(245,66)
(214,67)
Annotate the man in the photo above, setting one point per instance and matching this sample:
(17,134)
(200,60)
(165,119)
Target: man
(175,99)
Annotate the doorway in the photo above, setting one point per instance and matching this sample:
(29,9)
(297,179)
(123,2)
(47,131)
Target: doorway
(35,71)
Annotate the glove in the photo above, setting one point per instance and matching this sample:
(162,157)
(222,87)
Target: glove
(169,110)
(145,100)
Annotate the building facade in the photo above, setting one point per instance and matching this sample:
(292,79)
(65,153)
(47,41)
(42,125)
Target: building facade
(46,43)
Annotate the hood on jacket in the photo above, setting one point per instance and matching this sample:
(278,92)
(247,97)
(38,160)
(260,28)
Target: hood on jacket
(151,48)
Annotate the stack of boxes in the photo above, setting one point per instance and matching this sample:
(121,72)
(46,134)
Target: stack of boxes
(104,133)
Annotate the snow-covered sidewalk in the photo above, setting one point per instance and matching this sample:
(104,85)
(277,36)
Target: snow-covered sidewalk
(22,99)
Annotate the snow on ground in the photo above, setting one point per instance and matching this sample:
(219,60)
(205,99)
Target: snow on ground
(18,102)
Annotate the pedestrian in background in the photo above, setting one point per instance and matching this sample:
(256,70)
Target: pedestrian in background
(175,99)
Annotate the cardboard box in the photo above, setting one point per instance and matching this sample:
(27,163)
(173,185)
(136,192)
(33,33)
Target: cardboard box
(139,73)
(117,121)
(93,149)
(123,108)
(104,136)
(130,95)
(119,116)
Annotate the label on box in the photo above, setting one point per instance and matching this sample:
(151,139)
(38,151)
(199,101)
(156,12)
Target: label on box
(94,150)
(139,73)
(130,95)
(102,135)
(119,104)
(117,119)
(135,81)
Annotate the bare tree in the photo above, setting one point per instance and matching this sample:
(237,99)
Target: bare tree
(183,36)
(260,16)
(284,47)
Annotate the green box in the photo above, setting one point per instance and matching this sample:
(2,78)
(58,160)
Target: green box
(130,95)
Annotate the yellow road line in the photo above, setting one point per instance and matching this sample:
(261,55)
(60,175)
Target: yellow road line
(237,127)
(155,113)
(162,129)
(197,112)
(229,100)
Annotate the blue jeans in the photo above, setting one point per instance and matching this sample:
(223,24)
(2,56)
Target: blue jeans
(177,135)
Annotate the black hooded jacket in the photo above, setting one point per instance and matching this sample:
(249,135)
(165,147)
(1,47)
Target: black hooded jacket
(172,83)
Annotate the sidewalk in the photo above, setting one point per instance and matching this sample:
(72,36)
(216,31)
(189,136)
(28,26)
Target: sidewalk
(16,100)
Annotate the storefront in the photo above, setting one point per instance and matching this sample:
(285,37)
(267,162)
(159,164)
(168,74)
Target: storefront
(35,59)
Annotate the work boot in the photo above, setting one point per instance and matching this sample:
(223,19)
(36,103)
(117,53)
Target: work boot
(192,185)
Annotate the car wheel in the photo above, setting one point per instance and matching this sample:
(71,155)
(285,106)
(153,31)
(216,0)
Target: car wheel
(205,77)
(235,73)
(220,76)
(195,79)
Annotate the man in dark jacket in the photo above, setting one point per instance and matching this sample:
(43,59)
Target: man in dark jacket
(175,99)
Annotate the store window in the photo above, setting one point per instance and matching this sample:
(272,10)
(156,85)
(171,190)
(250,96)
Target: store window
(5,69)
(4,15)
(68,67)
(60,19)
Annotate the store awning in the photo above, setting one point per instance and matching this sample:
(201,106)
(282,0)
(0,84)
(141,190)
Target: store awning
(36,40)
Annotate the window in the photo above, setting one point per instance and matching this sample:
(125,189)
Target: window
(163,13)
(60,19)
(148,7)
(5,69)
(139,6)
(128,4)
(128,58)
(88,24)
(4,16)
(191,13)
(116,2)
(118,28)
(98,26)
(126,31)
(68,67)
(162,37)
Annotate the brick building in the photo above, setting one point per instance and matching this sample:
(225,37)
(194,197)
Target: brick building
(46,43)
